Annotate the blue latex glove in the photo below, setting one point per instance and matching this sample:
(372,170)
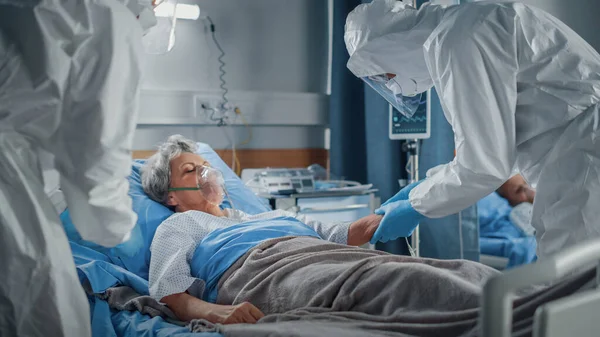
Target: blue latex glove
(403,194)
(132,246)
(399,220)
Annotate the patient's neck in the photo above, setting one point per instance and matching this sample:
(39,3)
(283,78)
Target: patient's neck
(206,208)
(214,210)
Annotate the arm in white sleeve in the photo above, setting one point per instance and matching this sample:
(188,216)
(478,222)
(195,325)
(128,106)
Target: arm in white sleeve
(475,77)
(99,43)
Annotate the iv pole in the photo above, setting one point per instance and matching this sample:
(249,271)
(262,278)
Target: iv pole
(411,147)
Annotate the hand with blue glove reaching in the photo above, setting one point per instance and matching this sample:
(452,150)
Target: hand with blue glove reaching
(399,220)
(132,246)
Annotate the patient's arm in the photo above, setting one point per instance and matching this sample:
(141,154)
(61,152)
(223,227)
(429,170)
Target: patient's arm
(361,231)
(187,307)
(353,234)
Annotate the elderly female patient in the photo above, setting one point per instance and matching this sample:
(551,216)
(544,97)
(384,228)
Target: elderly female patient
(226,266)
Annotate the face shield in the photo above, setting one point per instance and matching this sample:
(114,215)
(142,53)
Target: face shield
(402,95)
(209,183)
(158,19)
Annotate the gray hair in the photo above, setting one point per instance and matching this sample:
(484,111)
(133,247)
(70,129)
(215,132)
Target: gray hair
(156,172)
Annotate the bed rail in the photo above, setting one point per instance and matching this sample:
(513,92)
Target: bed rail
(499,292)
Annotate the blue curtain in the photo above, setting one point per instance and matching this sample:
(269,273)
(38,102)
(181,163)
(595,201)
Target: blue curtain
(358,119)
(346,111)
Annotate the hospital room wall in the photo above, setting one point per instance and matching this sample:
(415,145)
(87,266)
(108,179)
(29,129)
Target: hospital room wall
(276,72)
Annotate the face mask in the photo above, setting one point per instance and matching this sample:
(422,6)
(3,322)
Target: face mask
(209,182)
(401,95)
(394,86)
(521,217)
(406,88)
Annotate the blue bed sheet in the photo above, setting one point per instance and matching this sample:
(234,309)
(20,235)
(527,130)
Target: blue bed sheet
(98,269)
(499,236)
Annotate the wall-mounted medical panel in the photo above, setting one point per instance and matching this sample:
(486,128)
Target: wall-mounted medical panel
(159,107)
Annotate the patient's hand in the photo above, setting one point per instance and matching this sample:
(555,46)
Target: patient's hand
(187,307)
(232,314)
(362,230)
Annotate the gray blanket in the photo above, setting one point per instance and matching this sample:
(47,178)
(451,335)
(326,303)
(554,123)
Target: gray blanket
(309,287)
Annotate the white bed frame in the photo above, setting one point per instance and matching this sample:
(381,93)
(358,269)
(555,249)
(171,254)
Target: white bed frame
(496,262)
(575,316)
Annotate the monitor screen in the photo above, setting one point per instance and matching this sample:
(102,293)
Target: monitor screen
(416,127)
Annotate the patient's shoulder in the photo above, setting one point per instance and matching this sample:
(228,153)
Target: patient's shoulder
(184,219)
(175,217)
(193,225)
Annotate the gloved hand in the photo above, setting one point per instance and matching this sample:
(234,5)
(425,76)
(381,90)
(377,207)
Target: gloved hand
(132,246)
(399,220)
(403,194)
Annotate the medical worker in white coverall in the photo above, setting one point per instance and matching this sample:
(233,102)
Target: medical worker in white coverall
(521,91)
(69,80)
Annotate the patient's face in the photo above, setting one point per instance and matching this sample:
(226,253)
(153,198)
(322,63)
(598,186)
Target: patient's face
(516,191)
(183,174)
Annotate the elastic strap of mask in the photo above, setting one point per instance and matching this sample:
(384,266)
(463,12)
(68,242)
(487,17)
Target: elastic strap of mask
(172,189)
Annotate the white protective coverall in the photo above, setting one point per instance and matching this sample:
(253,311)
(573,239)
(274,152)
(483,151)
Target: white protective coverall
(69,78)
(521,91)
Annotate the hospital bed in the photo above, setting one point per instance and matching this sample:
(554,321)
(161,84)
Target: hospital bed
(496,262)
(576,315)
(99,270)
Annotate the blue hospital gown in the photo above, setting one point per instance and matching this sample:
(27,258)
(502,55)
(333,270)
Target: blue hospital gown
(178,238)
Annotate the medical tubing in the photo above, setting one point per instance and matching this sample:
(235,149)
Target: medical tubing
(223,85)
(229,198)
(460,235)
(411,250)
(221,120)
